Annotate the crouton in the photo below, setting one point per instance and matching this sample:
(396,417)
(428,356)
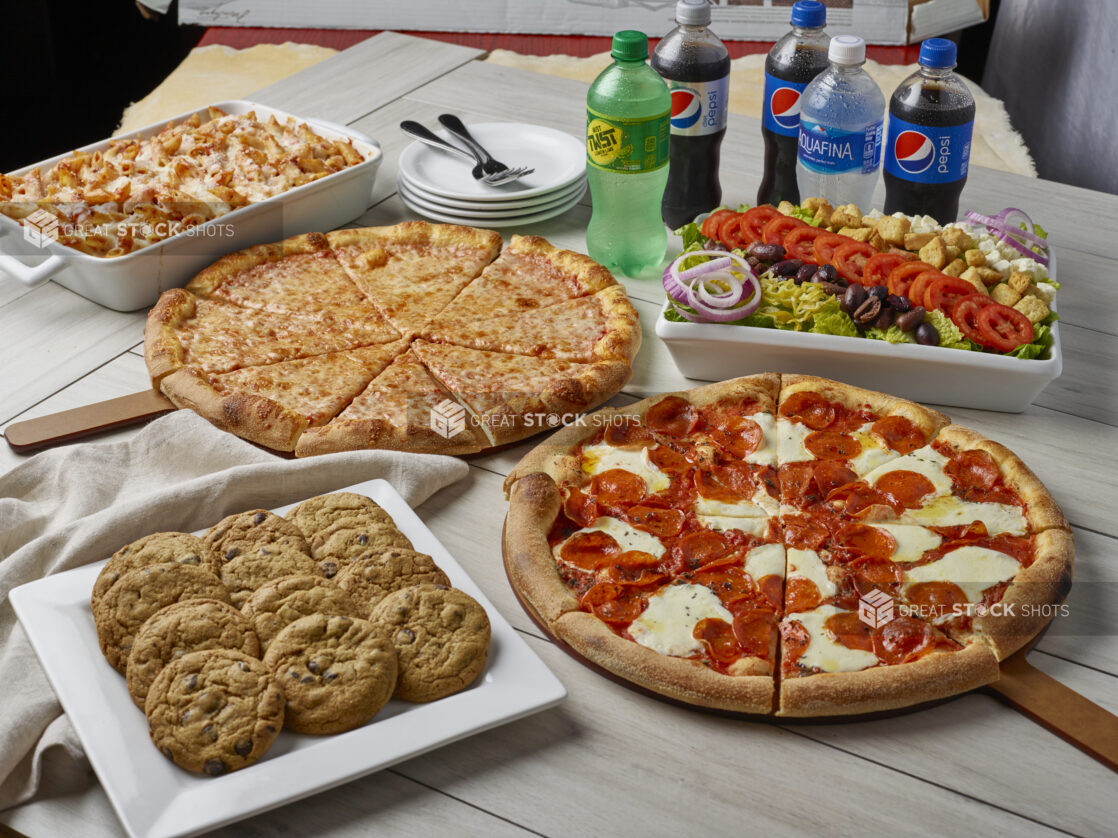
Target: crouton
(848,215)
(953,253)
(1033,308)
(1005,295)
(915,241)
(820,209)
(859,234)
(877,242)
(956,237)
(990,276)
(894,230)
(785,207)
(956,268)
(934,253)
(970,277)
(975,258)
(1020,281)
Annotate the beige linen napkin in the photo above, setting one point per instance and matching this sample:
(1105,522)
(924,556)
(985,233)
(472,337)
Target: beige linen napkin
(71,506)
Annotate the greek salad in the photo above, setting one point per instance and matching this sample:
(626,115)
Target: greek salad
(982,284)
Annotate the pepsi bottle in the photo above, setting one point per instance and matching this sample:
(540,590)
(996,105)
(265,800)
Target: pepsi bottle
(696,66)
(927,149)
(794,60)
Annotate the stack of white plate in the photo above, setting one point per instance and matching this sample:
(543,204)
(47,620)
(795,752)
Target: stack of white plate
(439,185)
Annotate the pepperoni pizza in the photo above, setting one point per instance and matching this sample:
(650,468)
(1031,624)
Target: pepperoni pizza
(785,544)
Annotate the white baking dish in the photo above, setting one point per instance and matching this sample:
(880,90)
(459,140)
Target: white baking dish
(928,374)
(136,280)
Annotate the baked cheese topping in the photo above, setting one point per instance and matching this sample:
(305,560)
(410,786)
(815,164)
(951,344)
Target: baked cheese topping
(806,563)
(912,541)
(766,452)
(666,625)
(951,511)
(823,651)
(925,461)
(627,537)
(765,560)
(972,568)
(875,453)
(751,526)
(603,457)
(759,506)
(790,441)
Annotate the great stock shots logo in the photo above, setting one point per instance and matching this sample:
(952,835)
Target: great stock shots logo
(875,609)
(40,228)
(448,419)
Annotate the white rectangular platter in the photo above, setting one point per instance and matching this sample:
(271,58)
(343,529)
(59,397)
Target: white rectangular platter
(155,799)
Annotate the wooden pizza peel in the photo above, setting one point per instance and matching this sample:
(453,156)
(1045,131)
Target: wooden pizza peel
(69,425)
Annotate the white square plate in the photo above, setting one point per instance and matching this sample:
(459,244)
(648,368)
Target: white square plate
(155,799)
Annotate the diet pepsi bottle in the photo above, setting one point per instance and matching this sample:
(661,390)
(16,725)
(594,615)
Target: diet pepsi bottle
(927,152)
(793,61)
(841,117)
(696,67)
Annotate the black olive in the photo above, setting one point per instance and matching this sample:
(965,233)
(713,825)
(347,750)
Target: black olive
(909,320)
(898,303)
(853,297)
(829,274)
(716,246)
(805,273)
(879,291)
(787,267)
(766,252)
(927,335)
(821,277)
(831,287)
(885,319)
(867,313)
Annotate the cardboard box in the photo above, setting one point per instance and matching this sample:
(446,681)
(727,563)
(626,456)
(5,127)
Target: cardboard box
(878,21)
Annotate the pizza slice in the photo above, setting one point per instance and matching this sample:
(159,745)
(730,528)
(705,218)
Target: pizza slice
(298,277)
(530,274)
(404,409)
(214,336)
(412,270)
(272,405)
(513,396)
(597,327)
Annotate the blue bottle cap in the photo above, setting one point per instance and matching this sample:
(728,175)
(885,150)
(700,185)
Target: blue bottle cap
(938,53)
(809,14)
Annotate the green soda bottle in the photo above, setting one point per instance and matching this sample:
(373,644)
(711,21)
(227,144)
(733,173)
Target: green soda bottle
(627,132)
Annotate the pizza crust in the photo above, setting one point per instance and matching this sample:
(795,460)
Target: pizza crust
(163,350)
(934,676)
(679,679)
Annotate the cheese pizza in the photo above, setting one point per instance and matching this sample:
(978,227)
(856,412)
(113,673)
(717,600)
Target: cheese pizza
(418,337)
(785,544)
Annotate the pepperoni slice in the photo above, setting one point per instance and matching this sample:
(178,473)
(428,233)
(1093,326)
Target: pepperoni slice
(803,532)
(672,416)
(627,432)
(589,550)
(880,265)
(850,631)
(870,573)
(699,548)
(580,507)
(824,247)
(901,277)
(668,459)
(717,637)
(829,445)
(859,500)
(801,595)
(726,582)
(904,489)
(739,435)
(661,523)
(616,487)
(794,640)
(634,575)
(795,480)
(729,482)
(799,243)
(772,589)
(775,230)
(933,600)
(753,221)
(830,475)
(850,259)
(900,433)
(974,469)
(867,540)
(810,408)
(754,632)
(635,559)
(902,639)
(711,223)
(613,603)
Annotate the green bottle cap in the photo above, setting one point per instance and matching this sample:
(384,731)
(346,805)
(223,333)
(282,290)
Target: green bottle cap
(630,45)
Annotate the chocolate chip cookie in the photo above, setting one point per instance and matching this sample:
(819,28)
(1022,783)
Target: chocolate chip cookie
(157,548)
(370,578)
(248,532)
(347,538)
(441,636)
(187,626)
(314,515)
(252,569)
(337,672)
(138,594)
(214,711)
(282,601)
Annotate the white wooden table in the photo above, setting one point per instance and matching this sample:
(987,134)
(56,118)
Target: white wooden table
(609,761)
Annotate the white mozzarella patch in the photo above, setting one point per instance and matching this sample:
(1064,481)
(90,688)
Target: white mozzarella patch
(762,504)
(751,526)
(823,650)
(603,457)
(806,563)
(874,454)
(790,441)
(765,560)
(765,455)
(950,511)
(666,625)
(626,536)
(973,569)
(926,461)
(912,541)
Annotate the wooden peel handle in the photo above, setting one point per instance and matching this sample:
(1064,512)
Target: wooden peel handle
(56,428)
(1059,708)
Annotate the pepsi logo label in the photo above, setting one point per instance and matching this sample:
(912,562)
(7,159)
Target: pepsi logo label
(927,154)
(784,104)
(914,152)
(699,107)
(687,107)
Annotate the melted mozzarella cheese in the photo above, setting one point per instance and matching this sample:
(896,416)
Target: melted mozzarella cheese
(760,505)
(790,441)
(752,526)
(626,537)
(973,569)
(666,625)
(926,461)
(823,651)
(950,511)
(912,542)
(806,563)
(603,457)
(765,560)
(875,453)
(765,455)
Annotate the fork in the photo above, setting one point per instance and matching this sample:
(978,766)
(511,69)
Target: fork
(485,161)
(414,129)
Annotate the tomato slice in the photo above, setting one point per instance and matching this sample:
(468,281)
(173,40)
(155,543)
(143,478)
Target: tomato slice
(775,230)
(901,277)
(753,221)
(879,266)
(824,247)
(799,243)
(729,232)
(944,291)
(709,227)
(850,259)
(1005,328)
(965,315)
(919,287)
